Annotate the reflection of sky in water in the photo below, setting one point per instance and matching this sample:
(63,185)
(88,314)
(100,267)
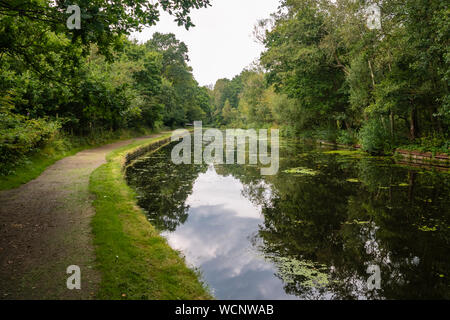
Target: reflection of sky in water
(216,238)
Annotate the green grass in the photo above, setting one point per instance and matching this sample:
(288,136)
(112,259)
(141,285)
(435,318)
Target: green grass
(134,260)
(33,165)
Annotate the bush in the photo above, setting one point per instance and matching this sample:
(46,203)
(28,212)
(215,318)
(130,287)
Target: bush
(347,137)
(375,138)
(438,143)
(20,136)
(288,131)
(327,134)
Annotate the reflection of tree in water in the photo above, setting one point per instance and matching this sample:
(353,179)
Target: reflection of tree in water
(163,188)
(328,225)
(323,231)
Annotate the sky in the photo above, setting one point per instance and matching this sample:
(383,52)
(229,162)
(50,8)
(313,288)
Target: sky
(221,44)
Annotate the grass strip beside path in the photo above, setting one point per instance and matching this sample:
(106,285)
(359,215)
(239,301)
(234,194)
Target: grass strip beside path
(134,260)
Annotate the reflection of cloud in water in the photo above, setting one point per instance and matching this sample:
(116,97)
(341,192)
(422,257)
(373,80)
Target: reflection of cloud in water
(210,189)
(216,238)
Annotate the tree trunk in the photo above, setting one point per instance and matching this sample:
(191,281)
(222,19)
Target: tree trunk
(412,124)
(372,75)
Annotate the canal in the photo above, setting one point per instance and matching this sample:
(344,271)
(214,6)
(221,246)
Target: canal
(309,232)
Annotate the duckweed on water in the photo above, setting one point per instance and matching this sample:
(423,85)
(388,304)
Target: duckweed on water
(325,219)
(357,222)
(354,153)
(312,275)
(427,229)
(302,170)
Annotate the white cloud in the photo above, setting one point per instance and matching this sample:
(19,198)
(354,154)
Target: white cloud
(221,44)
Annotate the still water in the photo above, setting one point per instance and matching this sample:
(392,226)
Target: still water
(309,232)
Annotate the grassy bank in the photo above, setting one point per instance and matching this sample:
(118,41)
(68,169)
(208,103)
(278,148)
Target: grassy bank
(134,260)
(32,165)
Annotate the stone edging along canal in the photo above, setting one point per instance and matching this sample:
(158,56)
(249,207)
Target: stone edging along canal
(426,158)
(140,151)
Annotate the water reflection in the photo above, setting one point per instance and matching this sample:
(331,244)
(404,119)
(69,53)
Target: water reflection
(305,236)
(216,238)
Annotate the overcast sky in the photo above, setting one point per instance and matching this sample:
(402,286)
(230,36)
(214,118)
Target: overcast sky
(221,44)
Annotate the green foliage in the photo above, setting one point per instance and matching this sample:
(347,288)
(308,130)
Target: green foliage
(306,73)
(327,75)
(374,137)
(434,144)
(183,100)
(146,85)
(21,136)
(347,137)
(91,80)
(26,25)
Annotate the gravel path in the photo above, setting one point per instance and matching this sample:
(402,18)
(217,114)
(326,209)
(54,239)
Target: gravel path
(45,227)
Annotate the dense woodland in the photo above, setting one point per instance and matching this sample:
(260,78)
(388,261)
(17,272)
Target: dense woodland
(331,71)
(328,72)
(57,84)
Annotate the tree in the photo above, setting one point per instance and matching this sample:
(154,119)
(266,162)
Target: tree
(103,22)
(298,65)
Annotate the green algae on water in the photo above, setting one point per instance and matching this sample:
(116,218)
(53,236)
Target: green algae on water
(346,152)
(427,229)
(313,275)
(357,222)
(302,170)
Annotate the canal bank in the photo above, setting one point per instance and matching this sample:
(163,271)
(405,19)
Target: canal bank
(134,260)
(414,158)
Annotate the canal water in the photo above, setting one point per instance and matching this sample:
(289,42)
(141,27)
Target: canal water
(309,232)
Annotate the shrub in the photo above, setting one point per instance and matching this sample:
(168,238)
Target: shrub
(20,136)
(437,143)
(375,138)
(347,137)
(327,134)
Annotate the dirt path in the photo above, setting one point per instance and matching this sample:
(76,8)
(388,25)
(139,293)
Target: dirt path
(45,227)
